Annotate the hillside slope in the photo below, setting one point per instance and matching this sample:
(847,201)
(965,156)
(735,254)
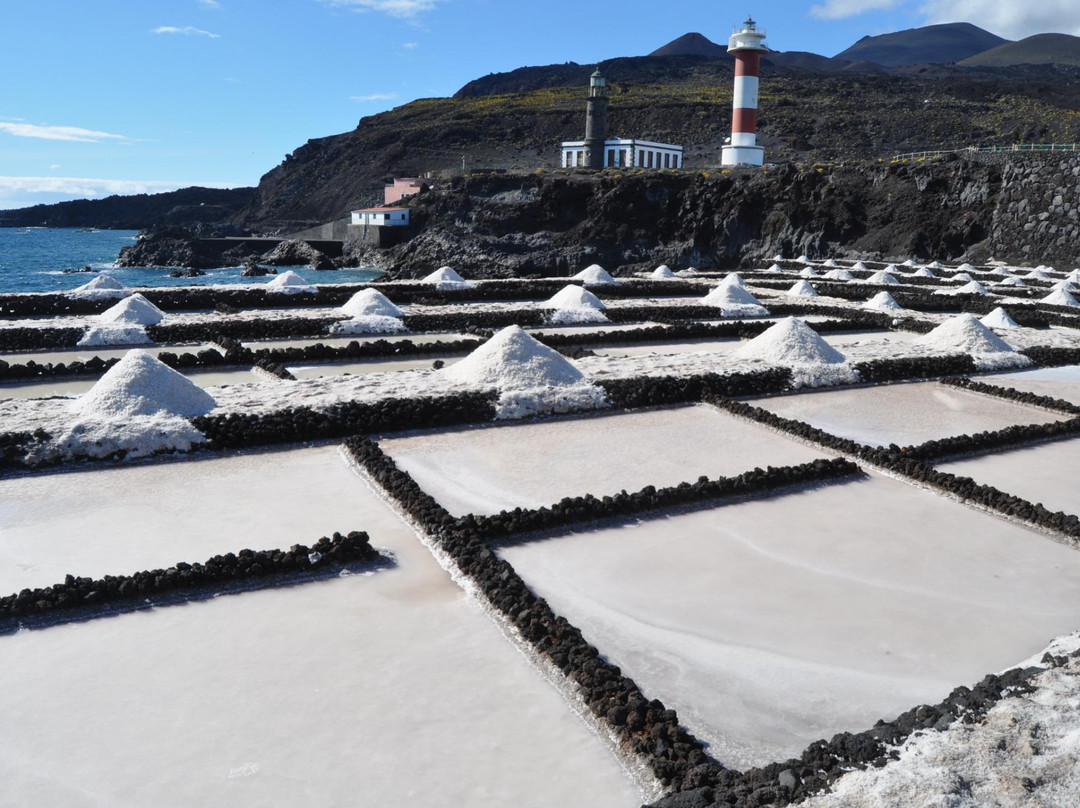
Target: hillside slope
(1041,49)
(931,44)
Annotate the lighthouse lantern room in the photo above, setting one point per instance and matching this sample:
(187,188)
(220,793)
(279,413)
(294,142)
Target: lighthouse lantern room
(747,43)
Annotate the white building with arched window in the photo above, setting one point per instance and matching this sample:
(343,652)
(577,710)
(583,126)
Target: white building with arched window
(626,153)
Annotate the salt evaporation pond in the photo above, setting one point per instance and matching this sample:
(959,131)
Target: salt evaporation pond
(845,338)
(1043,473)
(341,342)
(585,329)
(905,414)
(769,624)
(533,465)
(315,371)
(383,689)
(77,385)
(1063,382)
(86,354)
(687,346)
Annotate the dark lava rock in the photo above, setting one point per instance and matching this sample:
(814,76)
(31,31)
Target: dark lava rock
(293,253)
(253,270)
(168,247)
(190,272)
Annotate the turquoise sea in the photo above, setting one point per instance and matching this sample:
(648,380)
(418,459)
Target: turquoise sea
(33,259)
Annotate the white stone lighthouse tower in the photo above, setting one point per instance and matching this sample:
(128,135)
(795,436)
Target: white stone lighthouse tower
(747,43)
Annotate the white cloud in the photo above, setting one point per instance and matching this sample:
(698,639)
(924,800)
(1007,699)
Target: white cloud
(395,8)
(54,167)
(72,133)
(410,45)
(839,9)
(374,97)
(1009,19)
(187,30)
(90,187)
(209,3)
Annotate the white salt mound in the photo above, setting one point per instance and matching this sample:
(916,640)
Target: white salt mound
(882,301)
(113,334)
(802,259)
(910,263)
(445,278)
(574,297)
(512,360)
(971,288)
(1010,281)
(963,277)
(791,342)
(858,265)
(662,273)
(882,277)
(1074,275)
(1067,285)
(734,301)
(733,279)
(966,334)
(368,324)
(999,318)
(839,275)
(290,283)
(140,384)
(829,262)
(101,286)
(1002,271)
(923,272)
(1037,274)
(369,302)
(132,310)
(802,289)
(965,268)
(936,265)
(595,275)
(775,268)
(1059,297)
(809,272)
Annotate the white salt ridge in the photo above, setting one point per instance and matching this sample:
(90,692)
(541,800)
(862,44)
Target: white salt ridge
(132,310)
(140,384)
(446,278)
(809,272)
(368,324)
(513,360)
(1059,297)
(290,283)
(802,289)
(370,302)
(132,436)
(882,301)
(595,275)
(839,275)
(1022,754)
(101,286)
(662,273)
(576,317)
(790,342)
(882,277)
(966,334)
(574,297)
(999,318)
(109,335)
(734,300)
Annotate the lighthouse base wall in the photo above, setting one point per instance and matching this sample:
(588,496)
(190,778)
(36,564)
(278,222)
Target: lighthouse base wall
(742,156)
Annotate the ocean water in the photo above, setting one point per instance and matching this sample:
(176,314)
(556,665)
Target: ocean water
(33,259)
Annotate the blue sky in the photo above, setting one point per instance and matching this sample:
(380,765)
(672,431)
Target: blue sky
(127,96)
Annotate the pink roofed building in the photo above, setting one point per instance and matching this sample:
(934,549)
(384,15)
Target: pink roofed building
(402,188)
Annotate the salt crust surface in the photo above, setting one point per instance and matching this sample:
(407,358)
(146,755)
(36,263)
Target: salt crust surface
(1060,382)
(496,468)
(574,297)
(132,310)
(766,638)
(290,283)
(106,334)
(576,317)
(1023,754)
(314,694)
(595,275)
(905,414)
(368,324)
(370,302)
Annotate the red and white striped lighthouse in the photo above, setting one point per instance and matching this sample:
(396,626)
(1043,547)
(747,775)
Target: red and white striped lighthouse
(747,43)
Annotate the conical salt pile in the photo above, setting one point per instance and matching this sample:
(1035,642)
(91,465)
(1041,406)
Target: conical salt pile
(1067,285)
(370,302)
(445,278)
(132,310)
(961,277)
(809,272)
(999,318)
(595,275)
(966,334)
(790,342)
(839,275)
(882,301)
(971,288)
(882,277)
(775,268)
(1074,276)
(910,263)
(1004,272)
(290,283)
(574,297)
(734,301)
(101,286)
(733,279)
(923,272)
(1037,274)
(662,273)
(802,259)
(893,269)
(139,384)
(936,265)
(829,262)
(1011,281)
(965,268)
(858,265)
(803,289)
(1059,297)
(512,360)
